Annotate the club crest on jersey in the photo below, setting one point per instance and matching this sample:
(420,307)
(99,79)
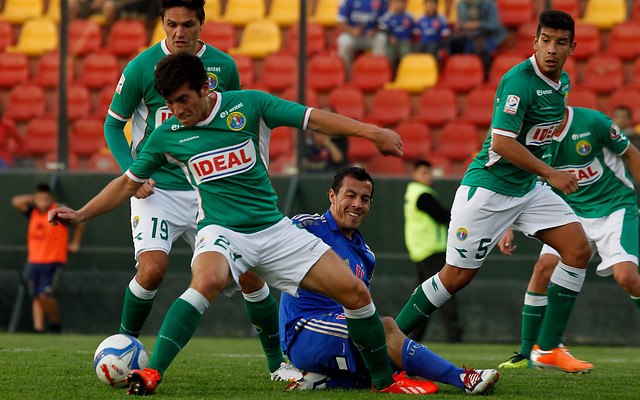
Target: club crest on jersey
(162,114)
(587,173)
(511,106)
(236,121)
(222,163)
(542,134)
(213,81)
(136,221)
(462,234)
(200,243)
(583,147)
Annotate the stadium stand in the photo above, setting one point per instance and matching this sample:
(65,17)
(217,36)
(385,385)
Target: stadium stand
(19,11)
(524,38)
(605,13)
(87,137)
(311,98)
(219,34)
(126,38)
(104,101)
(279,71)
(583,97)
(158,32)
(624,41)
(6,35)
(242,12)
(416,72)
(99,70)
(212,10)
(571,7)
(85,36)
(440,165)
(437,106)
(104,163)
(78,103)
(416,138)
(389,107)
(571,68)
(284,12)
(371,72)
(53,10)
(41,136)
(282,143)
(590,41)
(513,13)
(635,12)
(245,69)
(479,107)
(603,74)
(325,12)
(462,72)
(386,165)
(501,64)
(14,69)
(315,42)
(348,101)
(360,150)
(634,76)
(325,72)
(48,70)
(26,101)
(625,97)
(37,36)
(458,141)
(259,39)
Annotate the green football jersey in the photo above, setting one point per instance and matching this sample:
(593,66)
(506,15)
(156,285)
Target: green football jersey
(226,157)
(589,147)
(136,98)
(529,107)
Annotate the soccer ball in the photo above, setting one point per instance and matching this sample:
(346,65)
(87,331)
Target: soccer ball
(116,356)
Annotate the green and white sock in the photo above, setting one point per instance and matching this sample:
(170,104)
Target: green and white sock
(138,302)
(367,333)
(636,301)
(533,311)
(424,300)
(178,327)
(262,309)
(566,283)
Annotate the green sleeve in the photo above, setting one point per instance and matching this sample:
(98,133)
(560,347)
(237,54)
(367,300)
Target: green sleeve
(614,139)
(278,112)
(117,142)
(511,104)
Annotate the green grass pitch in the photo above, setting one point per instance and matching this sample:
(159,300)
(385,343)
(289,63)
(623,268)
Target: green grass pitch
(61,367)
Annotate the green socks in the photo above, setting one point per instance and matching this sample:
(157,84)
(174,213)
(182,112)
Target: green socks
(420,304)
(135,310)
(263,314)
(533,312)
(636,301)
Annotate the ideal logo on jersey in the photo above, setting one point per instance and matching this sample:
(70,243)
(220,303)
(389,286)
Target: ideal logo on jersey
(511,106)
(462,234)
(541,134)
(162,114)
(587,173)
(583,147)
(224,162)
(213,81)
(236,121)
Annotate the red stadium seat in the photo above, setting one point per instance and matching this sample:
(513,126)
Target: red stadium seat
(279,72)
(48,70)
(78,103)
(360,149)
(26,102)
(315,42)
(245,69)
(387,165)
(104,101)
(390,107)
(370,72)
(582,97)
(14,69)
(625,97)
(458,141)
(347,101)
(479,107)
(85,36)
(87,137)
(282,142)
(103,162)
(6,35)
(41,136)
(462,72)
(501,64)
(624,41)
(437,106)
(603,74)
(571,7)
(416,138)
(310,96)
(513,13)
(99,70)
(524,38)
(571,68)
(325,72)
(126,37)
(221,35)
(440,166)
(635,12)
(634,78)
(590,42)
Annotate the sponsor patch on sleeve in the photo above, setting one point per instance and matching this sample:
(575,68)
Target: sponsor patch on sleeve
(120,84)
(615,131)
(511,106)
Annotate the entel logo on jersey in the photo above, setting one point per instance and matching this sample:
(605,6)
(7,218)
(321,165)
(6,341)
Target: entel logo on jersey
(162,114)
(541,134)
(587,173)
(224,162)
(541,92)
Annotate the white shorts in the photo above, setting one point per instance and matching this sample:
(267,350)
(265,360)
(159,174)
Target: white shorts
(158,220)
(478,220)
(615,237)
(281,254)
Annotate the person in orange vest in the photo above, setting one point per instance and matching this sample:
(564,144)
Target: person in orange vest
(48,248)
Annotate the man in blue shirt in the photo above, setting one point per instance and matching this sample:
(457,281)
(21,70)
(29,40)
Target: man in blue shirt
(396,30)
(432,28)
(313,329)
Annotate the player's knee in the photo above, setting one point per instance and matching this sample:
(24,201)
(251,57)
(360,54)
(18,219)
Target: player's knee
(250,282)
(210,283)
(357,296)
(152,267)
(629,280)
(577,254)
(390,326)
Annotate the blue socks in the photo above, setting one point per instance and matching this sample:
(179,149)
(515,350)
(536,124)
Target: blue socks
(420,361)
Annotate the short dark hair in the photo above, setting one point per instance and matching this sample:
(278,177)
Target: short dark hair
(174,70)
(195,5)
(625,109)
(351,172)
(43,187)
(555,19)
(421,163)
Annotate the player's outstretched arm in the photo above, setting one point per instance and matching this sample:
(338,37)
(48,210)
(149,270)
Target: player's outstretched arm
(387,141)
(632,157)
(113,195)
(514,152)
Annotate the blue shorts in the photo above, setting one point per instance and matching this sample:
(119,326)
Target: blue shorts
(43,278)
(322,345)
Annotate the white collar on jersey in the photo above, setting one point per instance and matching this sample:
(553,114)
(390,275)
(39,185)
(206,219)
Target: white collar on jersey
(214,111)
(562,134)
(555,85)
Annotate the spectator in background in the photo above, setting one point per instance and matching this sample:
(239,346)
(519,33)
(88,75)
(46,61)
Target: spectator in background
(324,153)
(622,116)
(48,248)
(433,29)
(478,30)
(396,31)
(425,231)
(146,10)
(358,21)
(10,142)
(82,9)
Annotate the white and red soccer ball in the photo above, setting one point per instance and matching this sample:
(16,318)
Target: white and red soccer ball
(116,356)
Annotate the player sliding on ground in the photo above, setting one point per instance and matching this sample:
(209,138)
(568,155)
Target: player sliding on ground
(224,155)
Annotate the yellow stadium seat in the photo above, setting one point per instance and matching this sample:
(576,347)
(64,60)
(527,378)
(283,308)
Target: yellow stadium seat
(284,12)
(37,36)
(211,10)
(326,12)
(53,10)
(259,39)
(416,72)
(158,32)
(453,12)
(605,13)
(241,12)
(18,11)
(416,8)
